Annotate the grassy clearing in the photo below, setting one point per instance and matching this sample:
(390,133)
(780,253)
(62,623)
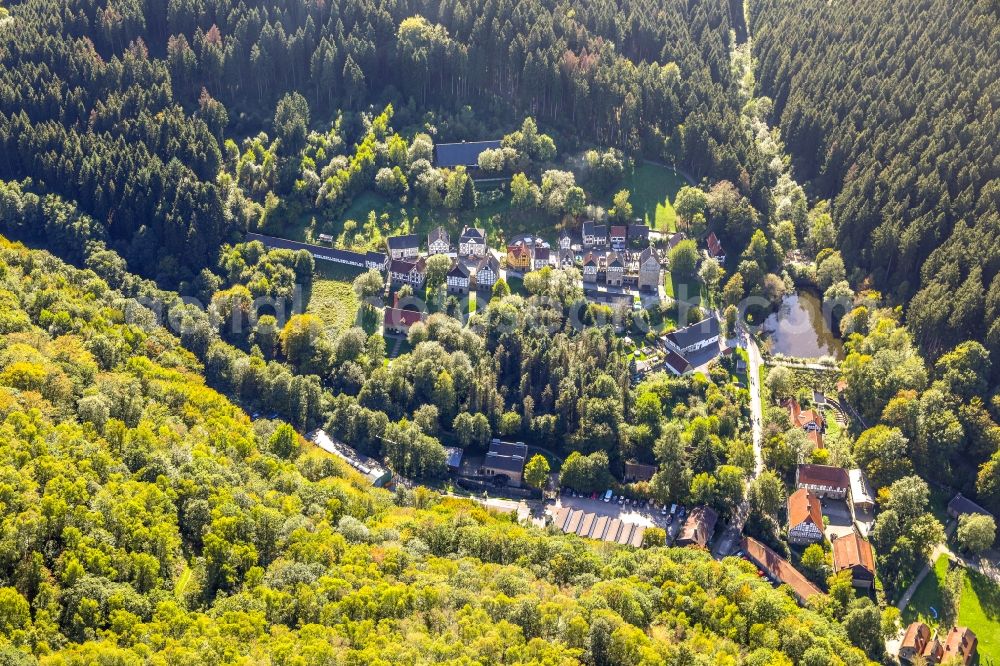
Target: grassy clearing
(652,188)
(333,299)
(979,608)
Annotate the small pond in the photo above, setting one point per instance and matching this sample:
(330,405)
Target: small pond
(799,329)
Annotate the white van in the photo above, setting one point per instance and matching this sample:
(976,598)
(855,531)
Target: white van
(607,496)
(673,509)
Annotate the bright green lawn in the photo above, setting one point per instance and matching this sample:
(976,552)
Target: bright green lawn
(979,608)
(652,188)
(333,299)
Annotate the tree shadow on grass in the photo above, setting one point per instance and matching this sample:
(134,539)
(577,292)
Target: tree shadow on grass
(988,592)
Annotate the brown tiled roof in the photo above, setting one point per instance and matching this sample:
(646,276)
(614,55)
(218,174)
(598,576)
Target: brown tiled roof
(851,550)
(824,475)
(916,637)
(779,568)
(933,651)
(699,526)
(396,317)
(961,642)
(714,246)
(639,471)
(804,506)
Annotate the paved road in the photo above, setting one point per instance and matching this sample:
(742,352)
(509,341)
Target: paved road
(728,540)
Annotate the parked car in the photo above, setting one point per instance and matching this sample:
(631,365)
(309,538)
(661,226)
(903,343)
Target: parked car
(670,519)
(664,512)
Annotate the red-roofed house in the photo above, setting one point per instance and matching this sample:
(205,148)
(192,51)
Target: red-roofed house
(961,643)
(715,250)
(805,518)
(854,553)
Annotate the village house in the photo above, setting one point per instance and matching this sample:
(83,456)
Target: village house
(458,278)
(618,236)
(862,498)
(638,234)
(675,239)
(635,471)
(438,241)
(851,552)
(541,257)
(699,527)
(412,273)
(601,236)
(519,256)
(567,258)
(650,271)
(615,270)
(823,480)
(961,504)
(695,337)
(398,320)
(715,250)
(914,642)
(454,458)
(677,363)
(590,267)
(810,420)
(487,272)
(472,242)
(961,643)
(506,459)
(779,569)
(464,154)
(805,518)
(403,247)
(565,241)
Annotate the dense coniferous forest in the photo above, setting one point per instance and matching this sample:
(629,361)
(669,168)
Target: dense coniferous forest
(890,109)
(125,107)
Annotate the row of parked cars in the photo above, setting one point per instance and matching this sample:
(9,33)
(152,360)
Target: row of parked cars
(669,510)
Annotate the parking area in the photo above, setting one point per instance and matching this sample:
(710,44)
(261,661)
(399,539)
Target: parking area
(645,515)
(838,515)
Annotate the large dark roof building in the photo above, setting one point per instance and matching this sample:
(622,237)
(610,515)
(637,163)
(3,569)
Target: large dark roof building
(464,154)
(363,260)
(507,459)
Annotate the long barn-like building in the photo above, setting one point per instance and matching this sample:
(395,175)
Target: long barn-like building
(361,260)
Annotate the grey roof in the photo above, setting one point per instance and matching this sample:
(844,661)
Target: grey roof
(961,504)
(346,256)
(507,456)
(402,242)
(403,266)
(695,333)
(646,254)
(465,153)
(489,261)
(473,233)
(459,269)
(436,234)
(454,456)
(638,231)
(614,260)
(678,363)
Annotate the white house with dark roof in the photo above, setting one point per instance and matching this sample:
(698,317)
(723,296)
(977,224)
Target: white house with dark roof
(694,337)
(403,247)
(590,267)
(438,241)
(412,273)
(458,278)
(487,272)
(472,242)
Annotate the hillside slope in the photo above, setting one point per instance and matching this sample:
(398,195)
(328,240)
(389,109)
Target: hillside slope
(146,519)
(891,109)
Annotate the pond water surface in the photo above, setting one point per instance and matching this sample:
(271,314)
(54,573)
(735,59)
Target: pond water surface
(800,329)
